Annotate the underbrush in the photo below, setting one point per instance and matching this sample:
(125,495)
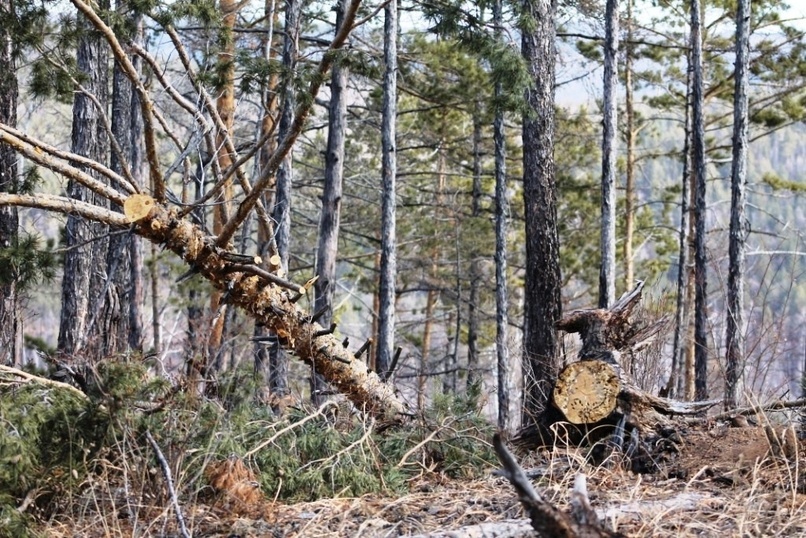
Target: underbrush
(87,458)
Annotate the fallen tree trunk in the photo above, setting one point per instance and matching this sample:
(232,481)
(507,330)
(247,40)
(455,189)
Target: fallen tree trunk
(273,304)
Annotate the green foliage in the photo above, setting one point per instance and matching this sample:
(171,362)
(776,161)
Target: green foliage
(25,263)
(54,442)
(46,438)
(778,183)
(453,437)
(49,81)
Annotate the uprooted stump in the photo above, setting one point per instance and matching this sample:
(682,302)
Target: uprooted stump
(594,399)
(597,387)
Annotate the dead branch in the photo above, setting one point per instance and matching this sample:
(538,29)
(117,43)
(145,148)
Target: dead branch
(547,520)
(301,114)
(64,205)
(756,409)
(79,160)
(229,145)
(37,155)
(19,376)
(166,473)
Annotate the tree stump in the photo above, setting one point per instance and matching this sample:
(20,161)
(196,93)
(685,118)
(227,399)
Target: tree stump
(587,391)
(597,388)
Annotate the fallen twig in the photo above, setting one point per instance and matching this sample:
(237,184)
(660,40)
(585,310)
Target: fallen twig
(166,472)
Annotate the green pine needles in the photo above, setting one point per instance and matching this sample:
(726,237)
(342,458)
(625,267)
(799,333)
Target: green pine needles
(60,449)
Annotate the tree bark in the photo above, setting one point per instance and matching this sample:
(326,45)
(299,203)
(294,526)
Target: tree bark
(267,247)
(542,305)
(734,335)
(386,292)
(273,306)
(676,385)
(425,354)
(473,374)
(501,225)
(86,244)
(119,319)
(11,344)
(698,167)
(607,272)
(278,376)
(329,219)
(631,134)
(225,105)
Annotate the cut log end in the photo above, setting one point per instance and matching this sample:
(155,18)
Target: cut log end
(137,207)
(587,391)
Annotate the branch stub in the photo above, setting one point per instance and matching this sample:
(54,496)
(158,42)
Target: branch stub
(137,207)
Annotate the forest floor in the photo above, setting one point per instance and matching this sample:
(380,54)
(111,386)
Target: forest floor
(725,481)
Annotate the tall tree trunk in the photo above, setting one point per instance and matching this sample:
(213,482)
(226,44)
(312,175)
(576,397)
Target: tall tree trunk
(734,336)
(86,245)
(328,247)
(542,301)
(225,104)
(386,313)
(698,167)
(278,378)
(425,355)
(473,375)
(676,385)
(629,183)
(607,273)
(118,319)
(267,247)
(501,225)
(10,318)
(136,296)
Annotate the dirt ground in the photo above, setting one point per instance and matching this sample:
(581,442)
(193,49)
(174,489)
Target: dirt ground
(726,480)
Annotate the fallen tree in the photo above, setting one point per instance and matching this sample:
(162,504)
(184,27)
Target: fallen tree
(269,299)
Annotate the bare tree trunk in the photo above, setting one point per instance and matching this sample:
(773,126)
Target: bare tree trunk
(629,184)
(10,319)
(607,273)
(425,354)
(328,247)
(734,336)
(501,225)
(118,319)
(225,104)
(138,161)
(676,385)
(542,302)
(266,241)
(86,254)
(698,167)
(278,378)
(473,375)
(386,293)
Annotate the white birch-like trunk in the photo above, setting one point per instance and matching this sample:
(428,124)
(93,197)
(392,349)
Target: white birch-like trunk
(607,272)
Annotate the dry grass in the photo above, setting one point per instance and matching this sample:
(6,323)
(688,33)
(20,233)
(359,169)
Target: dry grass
(726,481)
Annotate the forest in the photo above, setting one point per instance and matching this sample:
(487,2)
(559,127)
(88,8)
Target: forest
(386,268)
